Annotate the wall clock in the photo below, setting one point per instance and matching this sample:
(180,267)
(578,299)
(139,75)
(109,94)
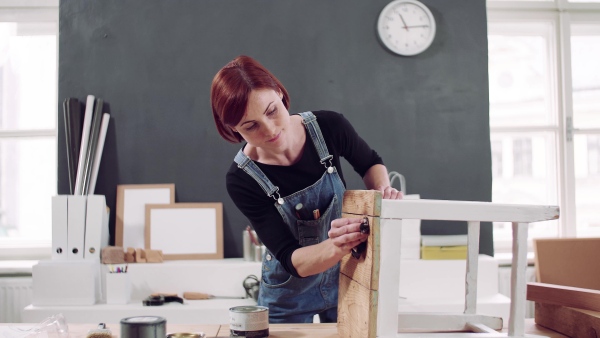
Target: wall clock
(406,27)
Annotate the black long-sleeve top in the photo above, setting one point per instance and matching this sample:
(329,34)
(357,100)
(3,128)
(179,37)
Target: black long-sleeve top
(342,141)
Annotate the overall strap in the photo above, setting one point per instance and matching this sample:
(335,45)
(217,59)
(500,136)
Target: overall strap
(247,165)
(310,122)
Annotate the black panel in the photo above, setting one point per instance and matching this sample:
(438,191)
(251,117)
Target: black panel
(153,62)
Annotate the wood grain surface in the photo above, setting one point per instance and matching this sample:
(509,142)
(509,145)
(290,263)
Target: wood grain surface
(579,298)
(568,321)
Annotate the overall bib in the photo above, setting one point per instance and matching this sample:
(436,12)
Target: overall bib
(291,299)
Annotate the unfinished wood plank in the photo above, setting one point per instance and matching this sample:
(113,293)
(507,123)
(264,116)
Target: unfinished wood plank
(568,321)
(466,211)
(357,310)
(359,278)
(365,270)
(568,261)
(362,202)
(580,298)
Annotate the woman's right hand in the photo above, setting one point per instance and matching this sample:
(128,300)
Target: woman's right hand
(345,234)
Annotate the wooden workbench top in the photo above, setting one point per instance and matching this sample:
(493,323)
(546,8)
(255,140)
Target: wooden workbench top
(275,330)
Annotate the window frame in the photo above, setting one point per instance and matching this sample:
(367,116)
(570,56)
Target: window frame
(28,11)
(562,14)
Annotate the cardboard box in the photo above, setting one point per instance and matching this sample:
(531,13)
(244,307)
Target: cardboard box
(566,297)
(568,261)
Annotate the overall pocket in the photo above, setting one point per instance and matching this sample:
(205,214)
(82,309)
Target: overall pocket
(311,232)
(273,273)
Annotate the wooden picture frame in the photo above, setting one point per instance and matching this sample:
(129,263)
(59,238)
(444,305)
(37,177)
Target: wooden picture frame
(185,230)
(131,212)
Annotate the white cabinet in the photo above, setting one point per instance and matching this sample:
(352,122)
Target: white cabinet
(215,277)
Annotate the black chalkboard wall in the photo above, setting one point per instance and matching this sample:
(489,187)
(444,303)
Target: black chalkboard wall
(152,61)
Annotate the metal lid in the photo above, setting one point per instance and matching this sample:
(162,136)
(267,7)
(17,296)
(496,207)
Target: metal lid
(248,309)
(143,320)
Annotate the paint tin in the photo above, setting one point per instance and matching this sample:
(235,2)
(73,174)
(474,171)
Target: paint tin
(249,321)
(144,327)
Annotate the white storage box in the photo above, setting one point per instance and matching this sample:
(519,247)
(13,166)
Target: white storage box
(66,282)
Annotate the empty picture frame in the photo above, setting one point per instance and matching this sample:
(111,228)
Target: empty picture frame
(185,230)
(131,210)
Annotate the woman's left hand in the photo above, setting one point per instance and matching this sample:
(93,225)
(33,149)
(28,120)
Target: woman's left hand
(390,193)
(345,234)
(377,178)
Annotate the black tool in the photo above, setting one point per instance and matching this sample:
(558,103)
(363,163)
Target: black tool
(364,226)
(359,249)
(158,300)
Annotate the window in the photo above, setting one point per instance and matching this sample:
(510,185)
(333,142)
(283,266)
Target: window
(28,92)
(585,47)
(544,82)
(522,156)
(593,155)
(497,159)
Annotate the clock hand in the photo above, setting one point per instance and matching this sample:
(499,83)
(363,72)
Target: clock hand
(417,26)
(403,22)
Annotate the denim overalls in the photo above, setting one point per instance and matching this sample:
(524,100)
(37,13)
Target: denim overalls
(291,299)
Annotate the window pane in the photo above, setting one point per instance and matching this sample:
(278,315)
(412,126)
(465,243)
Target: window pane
(522,157)
(28,75)
(585,47)
(587,181)
(519,75)
(526,174)
(497,161)
(27,183)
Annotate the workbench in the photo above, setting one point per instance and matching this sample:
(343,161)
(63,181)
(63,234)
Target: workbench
(275,330)
(425,286)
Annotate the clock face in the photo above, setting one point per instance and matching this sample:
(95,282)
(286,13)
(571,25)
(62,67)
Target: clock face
(406,27)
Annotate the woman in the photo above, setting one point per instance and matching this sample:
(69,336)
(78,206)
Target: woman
(287,181)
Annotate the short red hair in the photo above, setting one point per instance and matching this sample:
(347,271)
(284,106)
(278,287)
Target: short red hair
(230,89)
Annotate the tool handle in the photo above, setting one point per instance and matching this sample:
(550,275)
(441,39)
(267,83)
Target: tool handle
(196,295)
